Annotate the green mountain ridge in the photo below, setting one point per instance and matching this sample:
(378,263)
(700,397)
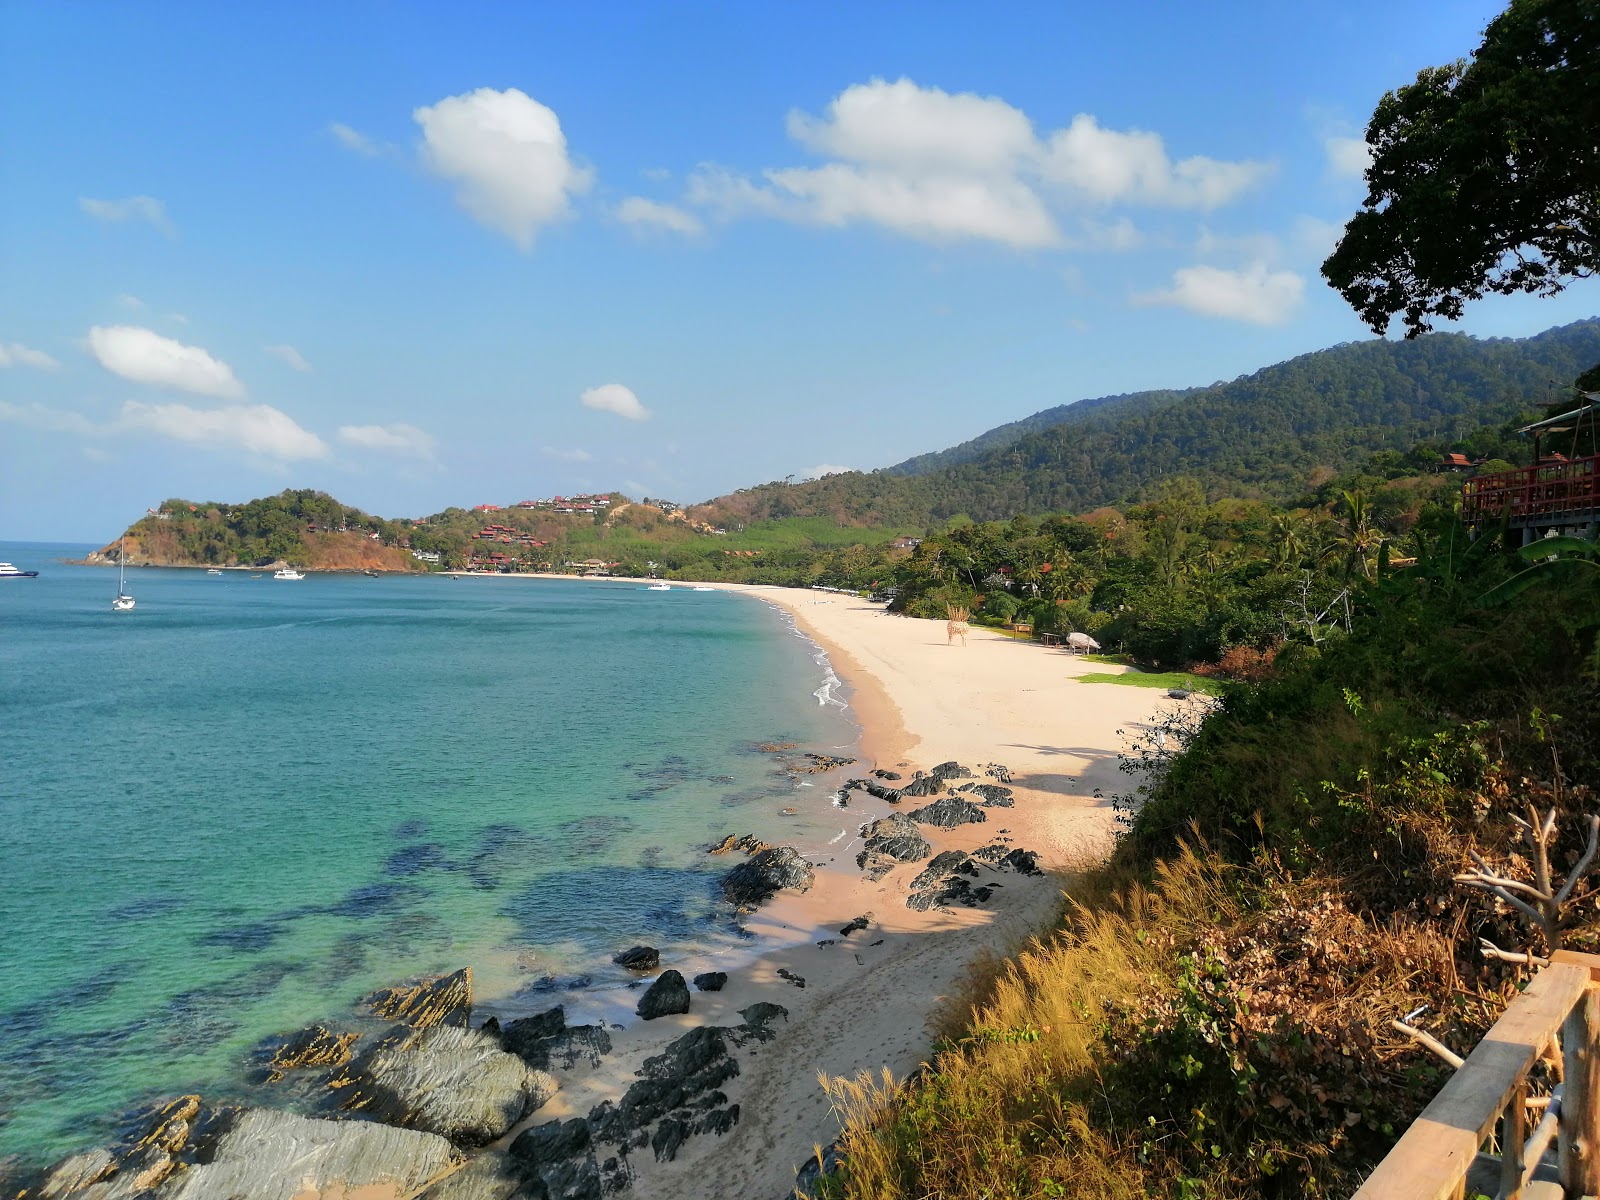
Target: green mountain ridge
(1262,434)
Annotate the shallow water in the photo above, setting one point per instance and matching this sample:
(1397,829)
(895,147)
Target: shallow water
(245,804)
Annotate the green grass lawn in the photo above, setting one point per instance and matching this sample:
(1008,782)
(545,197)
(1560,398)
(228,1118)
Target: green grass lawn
(1166,680)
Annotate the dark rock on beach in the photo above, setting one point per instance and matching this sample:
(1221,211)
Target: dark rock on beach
(923,785)
(948,812)
(455,1082)
(893,837)
(711,981)
(761,877)
(446,1000)
(519,1035)
(639,958)
(882,774)
(269,1155)
(991,795)
(950,770)
(556,1161)
(666,997)
(951,862)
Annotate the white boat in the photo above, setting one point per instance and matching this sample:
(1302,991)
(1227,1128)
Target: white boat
(212,571)
(123,602)
(287,573)
(700,587)
(659,587)
(7,571)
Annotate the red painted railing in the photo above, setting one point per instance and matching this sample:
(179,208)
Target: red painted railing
(1552,493)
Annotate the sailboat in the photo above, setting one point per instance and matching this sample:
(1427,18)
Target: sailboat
(123,602)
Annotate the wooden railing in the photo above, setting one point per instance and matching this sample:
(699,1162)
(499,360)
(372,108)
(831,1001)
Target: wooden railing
(1552,493)
(1433,1158)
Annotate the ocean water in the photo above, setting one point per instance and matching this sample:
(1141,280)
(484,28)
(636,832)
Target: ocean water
(247,803)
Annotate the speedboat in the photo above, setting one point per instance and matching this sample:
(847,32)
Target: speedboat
(287,573)
(7,571)
(659,587)
(700,587)
(212,571)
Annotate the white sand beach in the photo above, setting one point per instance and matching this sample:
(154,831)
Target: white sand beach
(866,999)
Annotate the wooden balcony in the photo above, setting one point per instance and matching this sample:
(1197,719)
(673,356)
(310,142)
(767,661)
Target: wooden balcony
(1551,494)
(1560,1013)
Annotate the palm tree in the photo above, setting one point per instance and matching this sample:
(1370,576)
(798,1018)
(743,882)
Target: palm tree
(1287,545)
(1357,538)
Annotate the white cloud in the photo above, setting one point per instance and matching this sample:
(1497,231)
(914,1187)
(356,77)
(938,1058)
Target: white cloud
(1106,166)
(133,302)
(131,208)
(1315,237)
(614,398)
(50,420)
(508,157)
(648,214)
(288,354)
(354,139)
(943,166)
(1121,234)
(825,469)
(566,455)
(256,429)
(1254,294)
(15,354)
(1253,247)
(1348,157)
(144,356)
(401,439)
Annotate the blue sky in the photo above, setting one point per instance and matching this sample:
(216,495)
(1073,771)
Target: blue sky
(418,255)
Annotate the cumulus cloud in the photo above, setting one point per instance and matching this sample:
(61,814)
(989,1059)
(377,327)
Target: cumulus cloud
(1348,157)
(257,429)
(144,356)
(574,455)
(507,156)
(1254,294)
(648,214)
(15,354)
(405,440)
(614,398)
(825,469)
(944,166)
(131,208)
(288,354)
(354,139)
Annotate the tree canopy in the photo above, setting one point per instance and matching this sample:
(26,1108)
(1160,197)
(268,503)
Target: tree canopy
(1485,174)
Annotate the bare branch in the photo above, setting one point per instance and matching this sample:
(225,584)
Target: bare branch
(1485,880)
(1583,863)
(1429,1041)
(1489,950)
(1522,906)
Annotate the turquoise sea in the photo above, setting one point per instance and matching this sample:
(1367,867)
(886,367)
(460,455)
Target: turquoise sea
(245,804)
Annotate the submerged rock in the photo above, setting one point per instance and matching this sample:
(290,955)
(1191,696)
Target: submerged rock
(711,981)
(666,997)
(314,1046)
(758,879)
(948,812)
(454,1082)
(446,1000)
(639,958)
(270,1155)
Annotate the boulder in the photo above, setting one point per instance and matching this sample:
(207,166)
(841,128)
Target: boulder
(666,997)
(270,1155)
(882,774)
(942,893)
(856,925)
(639,958)
(454,1082)
(991,795)
(894,837)
(487,1176)
(1023,862)
(314,1046)
(948,812)
(711,981)
(525,1032)
(758,879)
(950,770)
(951,862)
(923,785)
(445,1000)
(748,843)
(557,1162)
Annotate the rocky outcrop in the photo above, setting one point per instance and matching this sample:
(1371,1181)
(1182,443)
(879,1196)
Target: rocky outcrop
(882,774)
(950,770)
(951,862)
(270,1155)
(711,981)
(755,881)
(890,840)
(666,997)
(314,1046)
(876,790)
(486,1176)
(923,785)
(639,958)
(457,1083)
(949,811)
(990,795)
(546,1042)
(747,843)
(557,1161)
(445,1000)
(163,1142)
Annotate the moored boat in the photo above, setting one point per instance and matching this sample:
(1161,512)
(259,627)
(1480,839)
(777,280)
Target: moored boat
(659,587)
(287,573)
(7,571)
(123,601)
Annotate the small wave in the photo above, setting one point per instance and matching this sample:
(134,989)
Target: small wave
(837,836)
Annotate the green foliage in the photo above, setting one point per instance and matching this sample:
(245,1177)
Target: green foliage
(1158,679)
(1484,174)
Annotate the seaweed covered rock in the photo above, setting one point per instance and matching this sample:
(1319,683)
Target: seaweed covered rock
(948,812)
(454,1082)
(445,1000)
(667,996)
(759,878)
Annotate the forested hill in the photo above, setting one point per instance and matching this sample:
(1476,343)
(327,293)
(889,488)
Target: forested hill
(1262,434)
